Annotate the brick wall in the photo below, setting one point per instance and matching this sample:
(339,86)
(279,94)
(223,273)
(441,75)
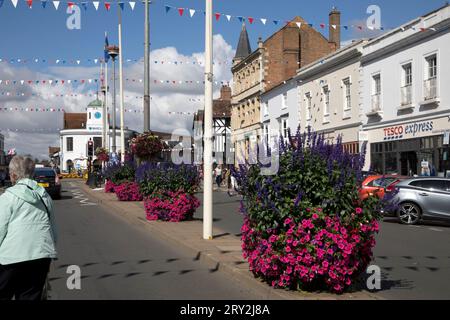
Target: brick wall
(291,48)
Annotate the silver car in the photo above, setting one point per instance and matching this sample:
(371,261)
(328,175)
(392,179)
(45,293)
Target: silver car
(422,198)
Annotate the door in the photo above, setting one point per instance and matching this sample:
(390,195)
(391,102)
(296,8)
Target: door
(408,163)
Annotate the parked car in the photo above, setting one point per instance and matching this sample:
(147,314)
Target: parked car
(48,179)
(421,198)
(378,185)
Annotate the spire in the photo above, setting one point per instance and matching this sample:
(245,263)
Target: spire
(243,48)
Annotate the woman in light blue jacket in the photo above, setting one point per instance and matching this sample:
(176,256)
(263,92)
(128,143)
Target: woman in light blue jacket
(27,234)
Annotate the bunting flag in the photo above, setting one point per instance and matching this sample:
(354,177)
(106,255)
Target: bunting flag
(299,24)
(70,4)
(44,3)
(217,16)
(30,3)
(56,4)
(250,19)
(84,5)
(107,6)
(191,12)
(181,11)
(132,4)
(228,17)
(275,22)
(167,8)
(263,21)
(121,5)
(96,4)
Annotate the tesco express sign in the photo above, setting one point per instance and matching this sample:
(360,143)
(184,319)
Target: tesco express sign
(408,129)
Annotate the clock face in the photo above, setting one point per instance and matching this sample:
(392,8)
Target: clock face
(97,115)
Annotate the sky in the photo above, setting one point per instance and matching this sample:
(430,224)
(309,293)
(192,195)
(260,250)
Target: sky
(43,34)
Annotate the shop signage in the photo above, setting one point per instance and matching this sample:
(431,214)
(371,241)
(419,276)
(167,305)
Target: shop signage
(407,130)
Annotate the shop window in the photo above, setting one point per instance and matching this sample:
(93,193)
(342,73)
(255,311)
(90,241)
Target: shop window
(391,163)
(377,162)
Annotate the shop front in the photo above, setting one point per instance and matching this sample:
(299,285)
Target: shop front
(415,148)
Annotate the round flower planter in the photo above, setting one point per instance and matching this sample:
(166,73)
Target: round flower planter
(316,253)
(171,206)
(109,186)
(128,191)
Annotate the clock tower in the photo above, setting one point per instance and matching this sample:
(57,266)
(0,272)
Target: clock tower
(94,116)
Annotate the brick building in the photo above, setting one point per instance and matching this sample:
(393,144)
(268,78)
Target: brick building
(275,60)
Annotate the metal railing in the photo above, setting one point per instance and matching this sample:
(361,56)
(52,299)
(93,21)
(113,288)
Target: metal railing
(406,95)
(430,89)
(376,102)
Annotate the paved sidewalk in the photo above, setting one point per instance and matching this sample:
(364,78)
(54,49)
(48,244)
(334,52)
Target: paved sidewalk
(223,253)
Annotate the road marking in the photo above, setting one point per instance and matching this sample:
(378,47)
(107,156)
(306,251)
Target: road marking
(84,200)
(435,229)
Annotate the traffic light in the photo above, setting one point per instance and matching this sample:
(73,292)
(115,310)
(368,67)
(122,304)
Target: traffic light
(90,148)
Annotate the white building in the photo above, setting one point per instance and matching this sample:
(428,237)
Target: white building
(79,128)
(406,97)
(324,95)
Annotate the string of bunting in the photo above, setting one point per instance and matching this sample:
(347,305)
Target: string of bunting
(62,110)
(265,21)
(74,95)
(90,81)
(96,61)
(191,12)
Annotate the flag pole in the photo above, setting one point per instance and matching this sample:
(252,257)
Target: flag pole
(108,134)
(122,124)
(208,121)
(147,68)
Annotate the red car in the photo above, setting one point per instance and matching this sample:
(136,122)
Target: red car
(378,185)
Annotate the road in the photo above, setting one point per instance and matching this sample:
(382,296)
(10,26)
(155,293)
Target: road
(119,260)
(414,260)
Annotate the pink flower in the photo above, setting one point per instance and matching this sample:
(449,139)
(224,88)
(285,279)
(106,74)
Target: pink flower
(315,216)
(359,210)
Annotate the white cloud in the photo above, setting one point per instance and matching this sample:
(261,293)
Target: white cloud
(165,97)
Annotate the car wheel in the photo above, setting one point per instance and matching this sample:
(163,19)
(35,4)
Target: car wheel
(409,213)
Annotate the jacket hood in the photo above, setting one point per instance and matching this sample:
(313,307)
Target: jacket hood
(27,190)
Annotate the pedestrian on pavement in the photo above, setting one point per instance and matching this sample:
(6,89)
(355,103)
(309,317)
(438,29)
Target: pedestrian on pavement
(2,178)
(218,175)
(27,234)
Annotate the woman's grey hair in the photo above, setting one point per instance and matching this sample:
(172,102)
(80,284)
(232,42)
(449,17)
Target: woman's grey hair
(22,167)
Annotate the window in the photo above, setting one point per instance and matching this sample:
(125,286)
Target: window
(407,74)
(326,100)
(97,142)
(69,144)
(266,108)
(431,67)
(347,94)
(266,134)
(89,116)
(430,85)
(377,84)
(308,105)
(284,127)
(284,101)
(407,84)
(376,93)
(438,185)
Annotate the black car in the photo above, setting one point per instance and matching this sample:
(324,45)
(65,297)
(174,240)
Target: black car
(48,179)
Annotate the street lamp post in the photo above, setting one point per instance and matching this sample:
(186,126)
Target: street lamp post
(207,155)
(113,52)
(122,120)
(147,68)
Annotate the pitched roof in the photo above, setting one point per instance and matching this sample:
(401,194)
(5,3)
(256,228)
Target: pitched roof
(75,120)
(243,48)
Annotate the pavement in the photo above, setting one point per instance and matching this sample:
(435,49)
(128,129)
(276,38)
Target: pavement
(222,254)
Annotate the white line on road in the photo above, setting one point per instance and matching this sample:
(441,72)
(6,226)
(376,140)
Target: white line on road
(435,229)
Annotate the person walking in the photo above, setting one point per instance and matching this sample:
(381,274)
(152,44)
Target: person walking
(27,234)
(218,175)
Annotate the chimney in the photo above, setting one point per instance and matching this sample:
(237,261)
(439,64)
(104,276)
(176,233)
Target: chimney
(335,27)
(225,93)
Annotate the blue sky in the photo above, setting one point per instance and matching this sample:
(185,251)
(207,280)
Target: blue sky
(43,33)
